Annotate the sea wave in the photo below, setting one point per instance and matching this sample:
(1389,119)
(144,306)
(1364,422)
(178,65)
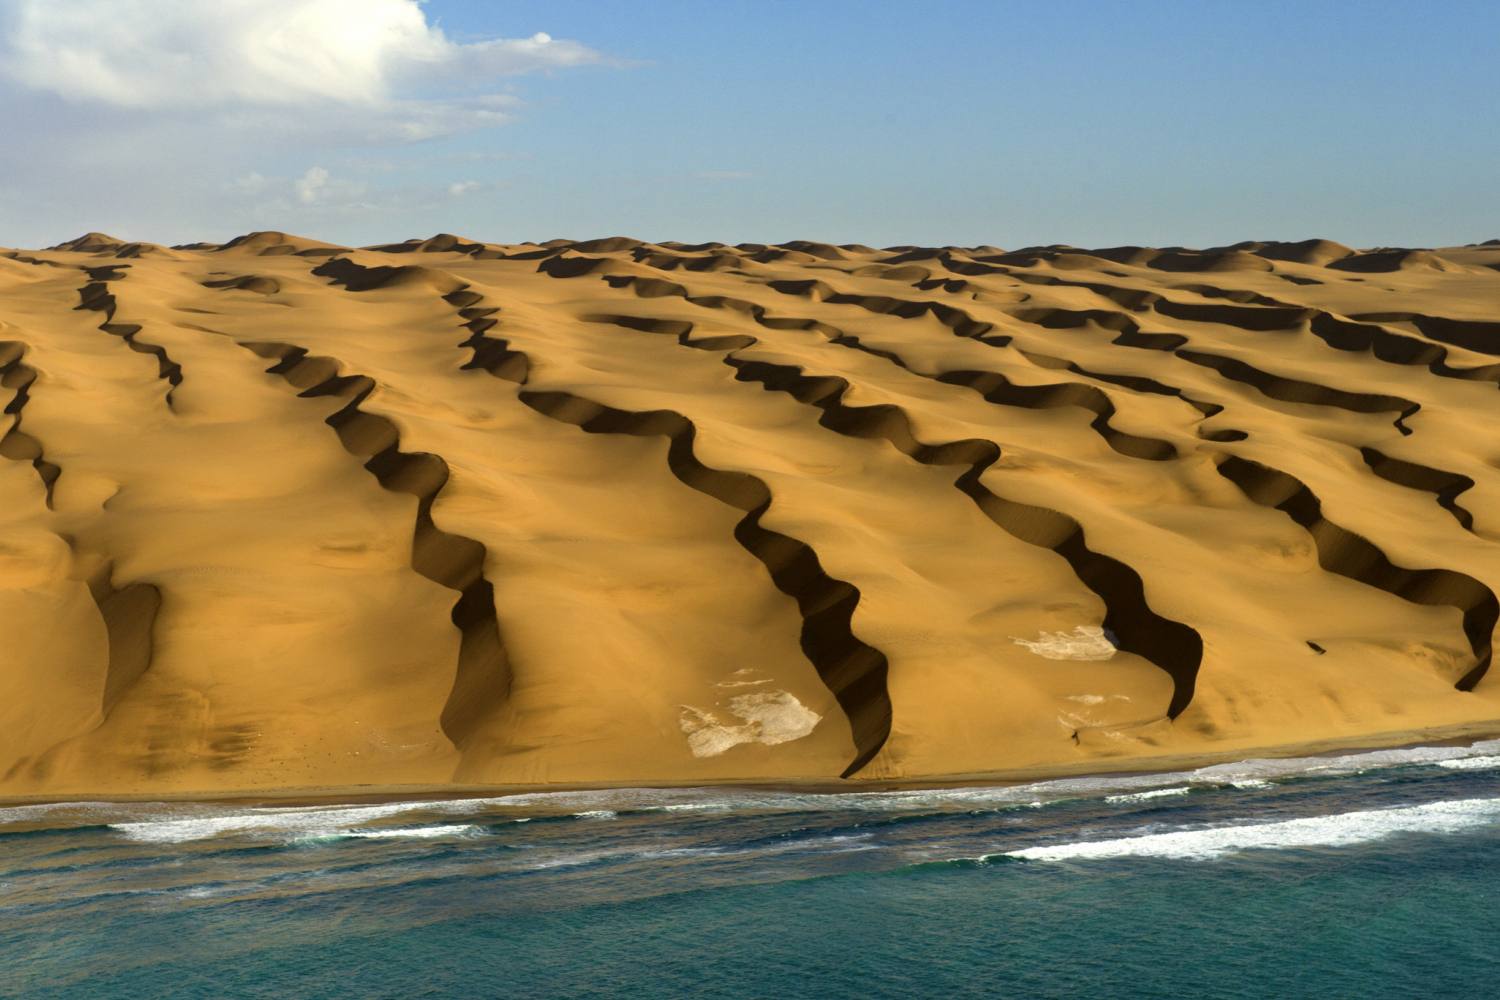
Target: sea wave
(41,812)
(285,824)
(1336,830)
(1337,765)
(1255,774)
(180,822)
(1470,763)
(1155,793)
(822,844)
(432,832)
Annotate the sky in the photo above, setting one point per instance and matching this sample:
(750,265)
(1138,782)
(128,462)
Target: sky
(1156,122)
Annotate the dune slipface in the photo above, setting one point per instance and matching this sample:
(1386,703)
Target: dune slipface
(282,514)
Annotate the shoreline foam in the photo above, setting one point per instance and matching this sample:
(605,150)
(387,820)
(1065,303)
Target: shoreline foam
(334,810)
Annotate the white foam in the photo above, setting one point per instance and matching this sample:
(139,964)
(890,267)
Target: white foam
(1155,793)
(43,810)
(1338,830)
(1469,763)
(1085,642)
(596,814)
(1249,775)
(207,892)
(682,852)
(180,822)
(417,832)
(282,823)
(839,844)
(694,807)
(1334,765)
(580,858)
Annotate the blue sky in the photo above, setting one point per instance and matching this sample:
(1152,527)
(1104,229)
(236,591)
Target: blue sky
(943,122)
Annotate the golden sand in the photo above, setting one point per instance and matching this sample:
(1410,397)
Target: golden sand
(282,515)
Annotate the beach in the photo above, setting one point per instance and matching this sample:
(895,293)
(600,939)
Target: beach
(1342,874)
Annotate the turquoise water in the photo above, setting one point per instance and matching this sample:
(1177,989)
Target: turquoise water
(1366,875)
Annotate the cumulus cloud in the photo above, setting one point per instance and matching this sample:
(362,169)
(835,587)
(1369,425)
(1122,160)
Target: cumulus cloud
(316,193)
(155,54)
(247,113)
(310,183)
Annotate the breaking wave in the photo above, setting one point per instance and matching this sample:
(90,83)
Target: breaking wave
(1337,830)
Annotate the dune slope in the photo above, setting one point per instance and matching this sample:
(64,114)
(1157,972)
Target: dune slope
(280,514)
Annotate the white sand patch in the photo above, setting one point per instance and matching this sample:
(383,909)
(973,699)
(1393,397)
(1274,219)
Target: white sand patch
(1072,722)
(768,717)
(1085,642)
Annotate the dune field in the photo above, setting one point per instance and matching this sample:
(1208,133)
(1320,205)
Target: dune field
(278,514)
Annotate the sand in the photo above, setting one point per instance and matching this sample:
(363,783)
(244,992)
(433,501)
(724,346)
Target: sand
(277,514)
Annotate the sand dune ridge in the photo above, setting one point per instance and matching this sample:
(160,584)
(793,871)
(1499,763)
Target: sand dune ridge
(579,491)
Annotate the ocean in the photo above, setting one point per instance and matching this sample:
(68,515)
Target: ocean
(1363,875)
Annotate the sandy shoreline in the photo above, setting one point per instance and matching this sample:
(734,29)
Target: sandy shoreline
(354,794)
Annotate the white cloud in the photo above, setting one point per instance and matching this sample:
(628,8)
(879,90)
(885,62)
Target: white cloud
(232,114)
(315,192)
(460,188)
(155,54)
(310,183)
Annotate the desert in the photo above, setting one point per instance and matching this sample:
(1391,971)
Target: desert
(282,514)
(736,500)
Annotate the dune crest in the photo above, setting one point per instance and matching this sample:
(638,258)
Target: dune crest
(281,513)
(271,243)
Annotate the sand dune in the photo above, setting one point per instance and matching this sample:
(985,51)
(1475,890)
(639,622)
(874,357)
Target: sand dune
(276,513)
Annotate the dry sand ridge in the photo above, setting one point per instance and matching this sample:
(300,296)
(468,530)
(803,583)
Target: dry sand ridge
(282,514)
